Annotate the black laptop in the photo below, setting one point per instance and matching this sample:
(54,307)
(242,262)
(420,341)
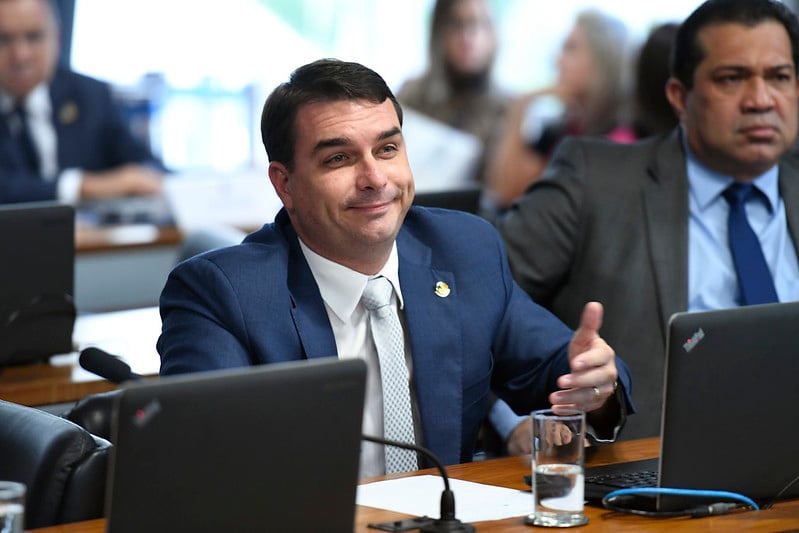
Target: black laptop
(266,448)
(730,419)
(37,312)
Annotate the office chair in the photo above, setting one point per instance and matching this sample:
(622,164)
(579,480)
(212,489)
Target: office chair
(462,199)
(94,413)
(63,465)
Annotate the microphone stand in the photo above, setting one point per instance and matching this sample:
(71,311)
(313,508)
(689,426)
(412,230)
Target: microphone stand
(447,523)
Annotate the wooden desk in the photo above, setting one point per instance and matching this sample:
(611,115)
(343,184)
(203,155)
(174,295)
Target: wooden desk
(129,334)
(123,267)
(508,472)
(90,239)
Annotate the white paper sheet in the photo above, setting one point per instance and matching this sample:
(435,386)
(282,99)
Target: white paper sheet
(421,495)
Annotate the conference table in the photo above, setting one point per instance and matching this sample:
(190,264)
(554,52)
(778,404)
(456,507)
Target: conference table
(130,334)
(509,471)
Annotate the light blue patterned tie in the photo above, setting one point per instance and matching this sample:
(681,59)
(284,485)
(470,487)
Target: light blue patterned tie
(390,344)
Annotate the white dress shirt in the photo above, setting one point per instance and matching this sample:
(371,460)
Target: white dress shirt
(341,289)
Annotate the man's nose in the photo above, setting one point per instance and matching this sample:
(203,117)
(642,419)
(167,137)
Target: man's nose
(759,95)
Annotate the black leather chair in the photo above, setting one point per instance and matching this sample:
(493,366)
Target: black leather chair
(93,413)
(63,465)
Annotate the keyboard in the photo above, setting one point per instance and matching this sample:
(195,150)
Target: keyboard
(623,480)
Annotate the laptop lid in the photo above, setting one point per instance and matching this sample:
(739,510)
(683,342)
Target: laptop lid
(266,448)
(730,397)
(37,312)
(729,419)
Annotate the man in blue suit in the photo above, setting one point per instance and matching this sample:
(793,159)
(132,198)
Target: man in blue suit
(61,135)
(292,289)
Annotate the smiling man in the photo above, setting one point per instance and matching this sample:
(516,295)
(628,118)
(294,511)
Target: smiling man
(459,324)
(704,217)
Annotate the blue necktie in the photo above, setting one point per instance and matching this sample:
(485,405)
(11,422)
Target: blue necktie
(754,278)
(22,135)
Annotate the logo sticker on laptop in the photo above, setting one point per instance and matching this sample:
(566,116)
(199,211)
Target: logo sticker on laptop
(691,343)
(143,415)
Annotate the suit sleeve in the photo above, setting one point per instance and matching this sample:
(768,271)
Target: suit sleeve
(198,301)
(22,187)
(541,229)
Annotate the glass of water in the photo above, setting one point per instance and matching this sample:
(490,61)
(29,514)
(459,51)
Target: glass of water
(557,460)
(12,507)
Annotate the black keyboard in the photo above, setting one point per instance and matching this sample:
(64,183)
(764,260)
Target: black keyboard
(643,478)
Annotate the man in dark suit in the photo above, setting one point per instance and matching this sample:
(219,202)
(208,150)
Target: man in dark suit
(644,227)
(292,290)
(61,136)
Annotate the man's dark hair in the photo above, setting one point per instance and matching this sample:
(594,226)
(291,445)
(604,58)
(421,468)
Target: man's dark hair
(688,51)
(324,80)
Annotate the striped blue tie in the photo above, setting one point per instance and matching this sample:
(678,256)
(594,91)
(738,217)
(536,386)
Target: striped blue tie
(754,278)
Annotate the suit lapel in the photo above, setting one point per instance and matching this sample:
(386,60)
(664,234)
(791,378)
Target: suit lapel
(307,308)
(789,190)
(434,326)
(65,113)
(665,200)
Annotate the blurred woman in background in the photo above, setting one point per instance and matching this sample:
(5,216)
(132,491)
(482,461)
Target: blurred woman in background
(587,99)
(457,88)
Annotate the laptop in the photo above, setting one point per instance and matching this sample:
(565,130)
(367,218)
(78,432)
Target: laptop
(37,312)
(266,448)
(729,412)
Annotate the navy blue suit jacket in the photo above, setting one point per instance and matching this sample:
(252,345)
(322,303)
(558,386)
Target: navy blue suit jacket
(90,132)
(258,302)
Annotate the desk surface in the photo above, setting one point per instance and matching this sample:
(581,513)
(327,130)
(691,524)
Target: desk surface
(130,334)
(508,472)
(90,239)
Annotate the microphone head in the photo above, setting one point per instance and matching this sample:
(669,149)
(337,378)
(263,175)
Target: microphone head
(105,365)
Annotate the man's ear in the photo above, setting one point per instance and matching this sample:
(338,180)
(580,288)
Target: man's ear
(676,93)
(279,176)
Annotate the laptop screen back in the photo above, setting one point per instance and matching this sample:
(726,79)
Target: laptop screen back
(729,418)
(267,448)
(37,312)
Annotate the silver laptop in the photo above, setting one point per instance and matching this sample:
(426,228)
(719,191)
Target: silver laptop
(730,417)
(266,448)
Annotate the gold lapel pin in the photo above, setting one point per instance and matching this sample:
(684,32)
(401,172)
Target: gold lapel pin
(68,113)
(442,289)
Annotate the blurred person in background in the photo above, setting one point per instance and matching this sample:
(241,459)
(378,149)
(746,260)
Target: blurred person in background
(587,99)
(653,228)
(457,87)
(62,137)
(652,113)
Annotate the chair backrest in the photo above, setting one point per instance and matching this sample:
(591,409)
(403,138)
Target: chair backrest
(461,199)
(93,413)
(63,465)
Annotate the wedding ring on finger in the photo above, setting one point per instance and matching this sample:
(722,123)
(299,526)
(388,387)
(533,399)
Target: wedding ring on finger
(597,393)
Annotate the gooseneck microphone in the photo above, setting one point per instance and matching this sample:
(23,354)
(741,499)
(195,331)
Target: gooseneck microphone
(106,366)
(447,522)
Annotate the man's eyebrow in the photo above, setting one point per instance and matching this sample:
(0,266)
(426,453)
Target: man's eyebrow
(746,68)
(328,143)
(389,133)
(344,141)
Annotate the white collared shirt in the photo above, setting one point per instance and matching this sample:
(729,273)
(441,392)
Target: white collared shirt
(341,289)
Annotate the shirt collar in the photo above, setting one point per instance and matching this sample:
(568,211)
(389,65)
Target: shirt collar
(706,185)
(341,287)
(36,103)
